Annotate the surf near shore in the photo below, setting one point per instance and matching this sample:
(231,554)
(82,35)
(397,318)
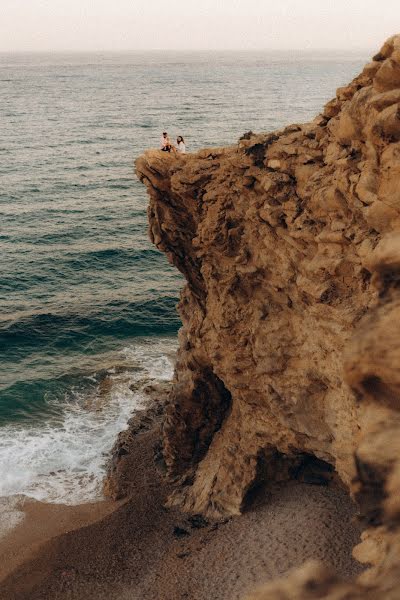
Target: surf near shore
(136,548)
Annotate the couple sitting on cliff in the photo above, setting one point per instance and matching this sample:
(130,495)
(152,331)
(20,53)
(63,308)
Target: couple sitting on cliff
(166,145)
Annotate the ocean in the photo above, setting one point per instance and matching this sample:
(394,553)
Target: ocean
(87,305)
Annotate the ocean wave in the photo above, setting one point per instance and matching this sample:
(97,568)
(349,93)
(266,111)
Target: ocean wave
(119,319)
(63,456)
(103,256)
(44,274)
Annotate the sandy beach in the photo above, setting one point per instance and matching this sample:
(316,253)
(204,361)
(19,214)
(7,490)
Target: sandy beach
(40,522)
(138,549)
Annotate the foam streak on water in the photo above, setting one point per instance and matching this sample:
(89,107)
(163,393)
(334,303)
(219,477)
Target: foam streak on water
(63,459)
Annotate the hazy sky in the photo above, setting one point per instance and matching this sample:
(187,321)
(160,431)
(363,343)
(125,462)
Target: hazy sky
(196,24)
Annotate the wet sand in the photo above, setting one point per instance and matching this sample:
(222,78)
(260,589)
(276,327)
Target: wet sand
(42,522)
(143,551)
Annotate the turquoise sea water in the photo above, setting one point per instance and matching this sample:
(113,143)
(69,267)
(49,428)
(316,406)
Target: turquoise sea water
(87,305)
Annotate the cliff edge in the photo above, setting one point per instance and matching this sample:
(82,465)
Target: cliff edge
(290,347)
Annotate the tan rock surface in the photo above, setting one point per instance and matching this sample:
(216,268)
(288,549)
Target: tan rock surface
(290,347)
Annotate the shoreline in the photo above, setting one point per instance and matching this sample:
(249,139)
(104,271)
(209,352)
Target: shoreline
(137,549)
(38,522)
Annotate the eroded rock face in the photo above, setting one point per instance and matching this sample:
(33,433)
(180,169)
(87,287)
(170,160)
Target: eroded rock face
(290,346)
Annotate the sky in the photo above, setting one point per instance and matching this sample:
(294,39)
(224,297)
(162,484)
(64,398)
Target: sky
(60,25)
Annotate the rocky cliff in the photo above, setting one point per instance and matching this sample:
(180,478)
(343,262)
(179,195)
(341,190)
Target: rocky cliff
(290,348)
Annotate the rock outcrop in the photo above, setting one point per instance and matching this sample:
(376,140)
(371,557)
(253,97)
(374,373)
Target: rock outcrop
(290,348)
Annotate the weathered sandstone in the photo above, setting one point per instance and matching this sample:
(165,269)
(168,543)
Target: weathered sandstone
(290,348)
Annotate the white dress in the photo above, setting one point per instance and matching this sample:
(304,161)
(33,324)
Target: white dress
(181,148)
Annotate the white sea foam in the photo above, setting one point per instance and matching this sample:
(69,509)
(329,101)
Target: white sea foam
(64,458)
(160,356)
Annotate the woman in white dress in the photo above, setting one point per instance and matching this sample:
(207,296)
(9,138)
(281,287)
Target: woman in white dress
(180,142)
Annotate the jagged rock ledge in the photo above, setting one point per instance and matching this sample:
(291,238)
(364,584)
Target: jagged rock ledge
(290,346)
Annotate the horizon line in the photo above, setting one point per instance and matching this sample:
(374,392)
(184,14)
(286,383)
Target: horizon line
(132,50)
